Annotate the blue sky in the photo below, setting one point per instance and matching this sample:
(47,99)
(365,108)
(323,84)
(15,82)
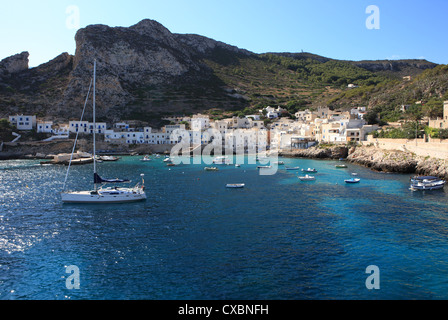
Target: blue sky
(332,28)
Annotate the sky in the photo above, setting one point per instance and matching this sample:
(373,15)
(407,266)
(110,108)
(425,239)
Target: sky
(338,29)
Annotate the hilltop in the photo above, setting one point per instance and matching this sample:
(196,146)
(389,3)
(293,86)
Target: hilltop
(146,72)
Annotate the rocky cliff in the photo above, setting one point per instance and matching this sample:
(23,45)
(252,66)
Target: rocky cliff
(133,61)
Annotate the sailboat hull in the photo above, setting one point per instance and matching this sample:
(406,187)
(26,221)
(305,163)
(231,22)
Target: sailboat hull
(109,196)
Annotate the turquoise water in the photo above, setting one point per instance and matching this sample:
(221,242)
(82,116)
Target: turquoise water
(277,238)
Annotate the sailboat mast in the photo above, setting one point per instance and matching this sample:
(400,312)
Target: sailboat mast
(94,122)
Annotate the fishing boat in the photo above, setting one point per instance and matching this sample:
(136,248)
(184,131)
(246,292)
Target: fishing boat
(310,170)
(235,185)
(292,168)
(341,166)
(101,194)
(307,178)
(426,183)
(352,180)
(211,169)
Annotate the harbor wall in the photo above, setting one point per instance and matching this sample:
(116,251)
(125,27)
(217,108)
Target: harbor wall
(435,148)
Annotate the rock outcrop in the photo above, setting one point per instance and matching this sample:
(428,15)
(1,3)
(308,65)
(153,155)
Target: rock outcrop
(333,152)
(397,161)
(14,64)
(383,160)
(145,55)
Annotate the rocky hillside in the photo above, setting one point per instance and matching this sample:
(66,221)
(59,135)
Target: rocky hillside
(145,72)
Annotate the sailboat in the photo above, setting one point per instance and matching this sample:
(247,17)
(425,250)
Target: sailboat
(102,194)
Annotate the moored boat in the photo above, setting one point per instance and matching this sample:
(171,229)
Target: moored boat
(235,185)
(211,169)
(108,158)
(310,170)
(352,180)
(292,168)
(307,178)
(101,194)
(426,183)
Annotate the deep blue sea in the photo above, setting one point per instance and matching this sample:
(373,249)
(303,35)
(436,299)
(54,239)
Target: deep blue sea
(277,238)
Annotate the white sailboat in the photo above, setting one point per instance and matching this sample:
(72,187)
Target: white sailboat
(102,194)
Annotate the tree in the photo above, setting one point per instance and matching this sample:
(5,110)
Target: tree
(433,108)
(415,114)
(371,117)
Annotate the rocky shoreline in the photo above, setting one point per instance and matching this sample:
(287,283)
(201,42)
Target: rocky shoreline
(377,159)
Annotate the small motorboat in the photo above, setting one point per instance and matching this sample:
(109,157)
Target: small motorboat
(352,180)
(237,165)
(279,162)
(108,158)
(264,167)
(311,170)
(341,166)
(292,168)
(307,178)
(146,158)
(235,185)
(211,169)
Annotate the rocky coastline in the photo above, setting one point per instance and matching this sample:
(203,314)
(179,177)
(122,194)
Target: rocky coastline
(377,159)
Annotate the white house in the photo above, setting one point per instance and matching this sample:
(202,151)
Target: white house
(123,126)
(44,126)
(135,137)
(86,127)
(23,122)
(78,126)
(200,122)
(113,136)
